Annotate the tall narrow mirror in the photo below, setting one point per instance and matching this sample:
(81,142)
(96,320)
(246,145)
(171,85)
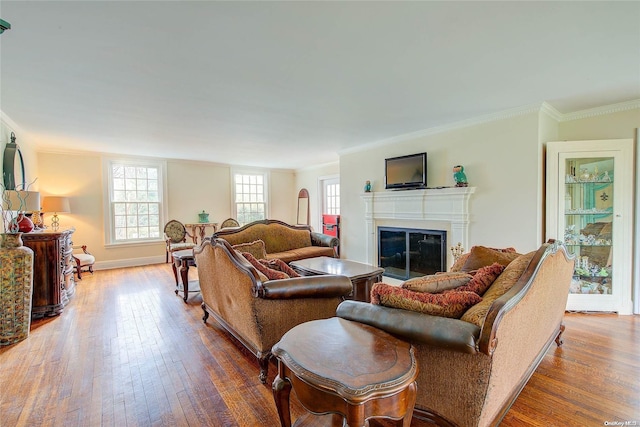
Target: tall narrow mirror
(303,207)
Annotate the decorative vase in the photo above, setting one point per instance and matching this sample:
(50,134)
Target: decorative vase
(25,225)
(16,288)
(367,186)
(203,217)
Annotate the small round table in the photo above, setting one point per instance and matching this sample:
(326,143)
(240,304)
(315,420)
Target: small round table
(347,369)
(182,260)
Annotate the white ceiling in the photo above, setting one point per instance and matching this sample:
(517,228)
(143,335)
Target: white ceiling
(290,84)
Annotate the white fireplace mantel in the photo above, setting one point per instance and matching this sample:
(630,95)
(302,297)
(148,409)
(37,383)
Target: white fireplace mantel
(450,205)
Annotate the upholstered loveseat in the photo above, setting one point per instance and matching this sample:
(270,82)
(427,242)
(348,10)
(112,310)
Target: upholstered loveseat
(282,241)
(254,309)
(472,368)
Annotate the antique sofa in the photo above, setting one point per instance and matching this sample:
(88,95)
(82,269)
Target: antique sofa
(255,310)
(283,241)
(471,371)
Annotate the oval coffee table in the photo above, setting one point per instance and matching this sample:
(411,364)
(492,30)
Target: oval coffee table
(351,370)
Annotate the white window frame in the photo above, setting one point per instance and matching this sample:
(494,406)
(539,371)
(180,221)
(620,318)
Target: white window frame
(249,171)
(109,228)
(325,196)
(322,181)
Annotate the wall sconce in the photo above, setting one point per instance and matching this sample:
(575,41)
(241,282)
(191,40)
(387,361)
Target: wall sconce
(56,205)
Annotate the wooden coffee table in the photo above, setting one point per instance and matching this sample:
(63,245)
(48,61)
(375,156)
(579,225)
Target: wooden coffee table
(362,276)
(348,370)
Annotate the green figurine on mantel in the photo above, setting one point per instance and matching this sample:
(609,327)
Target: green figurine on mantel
(459,176)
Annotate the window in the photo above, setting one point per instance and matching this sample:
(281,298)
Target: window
(135,201)
(331,189)
(250,196)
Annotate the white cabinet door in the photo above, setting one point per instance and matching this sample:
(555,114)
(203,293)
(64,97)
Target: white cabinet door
(590,208)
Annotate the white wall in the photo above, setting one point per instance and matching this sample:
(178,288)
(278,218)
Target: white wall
(601,124)
(501,159)
(27,148)
(192,187)
(197,186)
(309,178)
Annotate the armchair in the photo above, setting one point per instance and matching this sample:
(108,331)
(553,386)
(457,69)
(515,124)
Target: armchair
(82,260)
(258,311)
(175,237)
(229,222)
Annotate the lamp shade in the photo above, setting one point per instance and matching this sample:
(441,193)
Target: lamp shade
(56,204)
(23,201)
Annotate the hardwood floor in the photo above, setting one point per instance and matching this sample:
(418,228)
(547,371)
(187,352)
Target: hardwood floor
(127,351)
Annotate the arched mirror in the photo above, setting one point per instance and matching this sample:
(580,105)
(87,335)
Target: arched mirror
(9,165)
(303,207)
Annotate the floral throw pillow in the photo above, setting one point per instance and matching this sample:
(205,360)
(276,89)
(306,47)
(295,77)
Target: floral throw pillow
(269,272)
(437,282)
(481,256)
(450,303)
(255,248)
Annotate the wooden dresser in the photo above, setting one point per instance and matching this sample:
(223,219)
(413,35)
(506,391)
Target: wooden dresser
(53,281)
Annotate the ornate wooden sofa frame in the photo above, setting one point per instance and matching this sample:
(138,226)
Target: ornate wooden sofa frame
(256,311)
(283,241)
(470,375)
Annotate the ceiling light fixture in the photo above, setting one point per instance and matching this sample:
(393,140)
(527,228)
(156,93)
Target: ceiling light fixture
(4,25)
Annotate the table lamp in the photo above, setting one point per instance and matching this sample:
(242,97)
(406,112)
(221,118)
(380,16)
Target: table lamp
(56,204)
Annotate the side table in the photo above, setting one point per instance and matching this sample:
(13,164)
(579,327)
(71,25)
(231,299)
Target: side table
(201,229)
(347,369)
(183,260)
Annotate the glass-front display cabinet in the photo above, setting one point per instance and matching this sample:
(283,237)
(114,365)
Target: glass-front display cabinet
(590,209)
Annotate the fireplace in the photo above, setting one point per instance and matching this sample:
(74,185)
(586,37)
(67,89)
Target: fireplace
(444,209)
(408,252)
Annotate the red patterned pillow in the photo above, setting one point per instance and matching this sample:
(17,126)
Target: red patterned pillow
(278,264)
(269,272)
(452,303)
(483,279)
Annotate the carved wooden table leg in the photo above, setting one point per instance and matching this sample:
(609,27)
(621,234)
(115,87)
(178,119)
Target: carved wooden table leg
(281,392)
(182,260)
(184,273)
(175,270)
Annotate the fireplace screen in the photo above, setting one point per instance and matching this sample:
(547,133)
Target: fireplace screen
(405,253)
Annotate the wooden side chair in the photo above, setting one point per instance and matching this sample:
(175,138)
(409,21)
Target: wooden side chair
(83,260)
(175,236)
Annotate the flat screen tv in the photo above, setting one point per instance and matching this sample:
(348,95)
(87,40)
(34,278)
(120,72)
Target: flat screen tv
(406,172)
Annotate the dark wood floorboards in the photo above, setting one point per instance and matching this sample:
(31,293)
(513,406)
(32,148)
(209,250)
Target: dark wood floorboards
(128,352)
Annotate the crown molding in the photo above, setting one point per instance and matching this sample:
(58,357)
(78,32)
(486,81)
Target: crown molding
(599,111)
(320,166)
(11,125)
(474,121)
(543,107)
(550,111)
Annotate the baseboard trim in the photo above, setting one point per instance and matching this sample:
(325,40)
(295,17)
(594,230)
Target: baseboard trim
(131,262)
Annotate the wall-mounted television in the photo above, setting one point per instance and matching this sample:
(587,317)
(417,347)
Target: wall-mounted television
(406,172)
